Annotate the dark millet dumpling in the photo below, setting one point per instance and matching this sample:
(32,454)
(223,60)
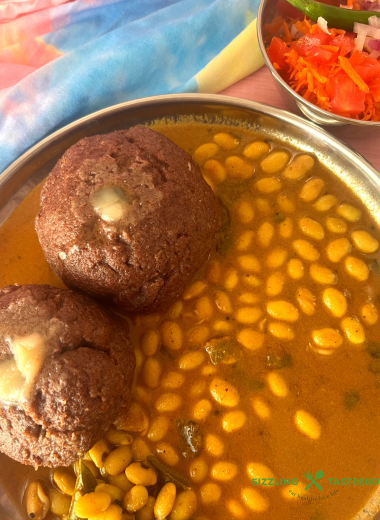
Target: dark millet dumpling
(127,217)
(66,370)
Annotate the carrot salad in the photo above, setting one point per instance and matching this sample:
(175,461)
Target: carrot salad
(325,67)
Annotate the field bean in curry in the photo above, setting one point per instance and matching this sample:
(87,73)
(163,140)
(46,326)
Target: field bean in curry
(268,367)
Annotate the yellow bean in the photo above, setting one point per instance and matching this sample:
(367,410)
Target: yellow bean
(237,168)
(275,283)
(138,474)
(224,327)
(213,272)
(194,290)
(306,250)
(245,240)
(135,498)
(322,274)
(256,150)
(364,242)
(353,330)
(356,268)
(254,500)
(171,335)
(158,428)
(36,500)
(140,450)
(261,408)
(149,342)
(282,310)
(201,410)
(249,263)
(265,234)
(336,225)
(226,141)
(349,212)
(325,203)
(251,280)
(231,279)
(146,512)
(165,501)
(307,424)
(299,167)
(191,359)
(118,437)
(247,315)
(258,470)
(198,470)
(274,162)
(251,339)
(311,189)
(286,227)
(245,212)
(204,308)
(335,301)
(205,151)
(99,452)
(264,206)
(213,445)
(118,460)
(311,228)
(167,453)
(276,258)
(224,393)
(59,503)
(113,512)
(277,384)
(268,185)
(337,249)
(185,506)
(151,372)
(328,339)
(306,300)
(224,471)
(285,204)
(168,402)
(114,492)
(120,481)
(64,480)
(233,421)
(136,419)
(215,171)
(172,380)
(223,302)
(236,509)
(92,504)
(369,314)
(281,331)
(210,493)
(295,269)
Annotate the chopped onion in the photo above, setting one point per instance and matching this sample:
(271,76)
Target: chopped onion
(359,41)
(373,44)
(366,30)
(369,5)
(374,54)
(322,24)
(295,32)
(374,21)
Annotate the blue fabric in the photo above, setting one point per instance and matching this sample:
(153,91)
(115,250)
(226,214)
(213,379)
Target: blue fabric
(114,52)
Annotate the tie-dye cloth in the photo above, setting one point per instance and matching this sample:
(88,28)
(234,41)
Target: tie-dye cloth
(61,60)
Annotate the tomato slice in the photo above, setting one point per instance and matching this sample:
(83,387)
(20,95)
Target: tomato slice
(346,96)
(344,43)
(374,89)
(307,42)
(276,52)
(322,56)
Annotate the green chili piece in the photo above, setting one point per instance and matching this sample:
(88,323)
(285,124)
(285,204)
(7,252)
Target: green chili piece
(336,17)
(86,483)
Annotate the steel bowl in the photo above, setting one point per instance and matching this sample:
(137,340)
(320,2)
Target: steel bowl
(265,15)
(346,164)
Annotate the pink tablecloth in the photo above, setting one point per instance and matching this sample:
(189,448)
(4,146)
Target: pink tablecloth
(260,86)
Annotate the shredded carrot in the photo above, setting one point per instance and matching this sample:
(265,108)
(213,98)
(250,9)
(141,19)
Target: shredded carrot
(276,24)
(349,69)
(331,48)
(301,27)
(289,37)
(350,2)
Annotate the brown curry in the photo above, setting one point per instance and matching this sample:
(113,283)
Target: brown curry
(267,371)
